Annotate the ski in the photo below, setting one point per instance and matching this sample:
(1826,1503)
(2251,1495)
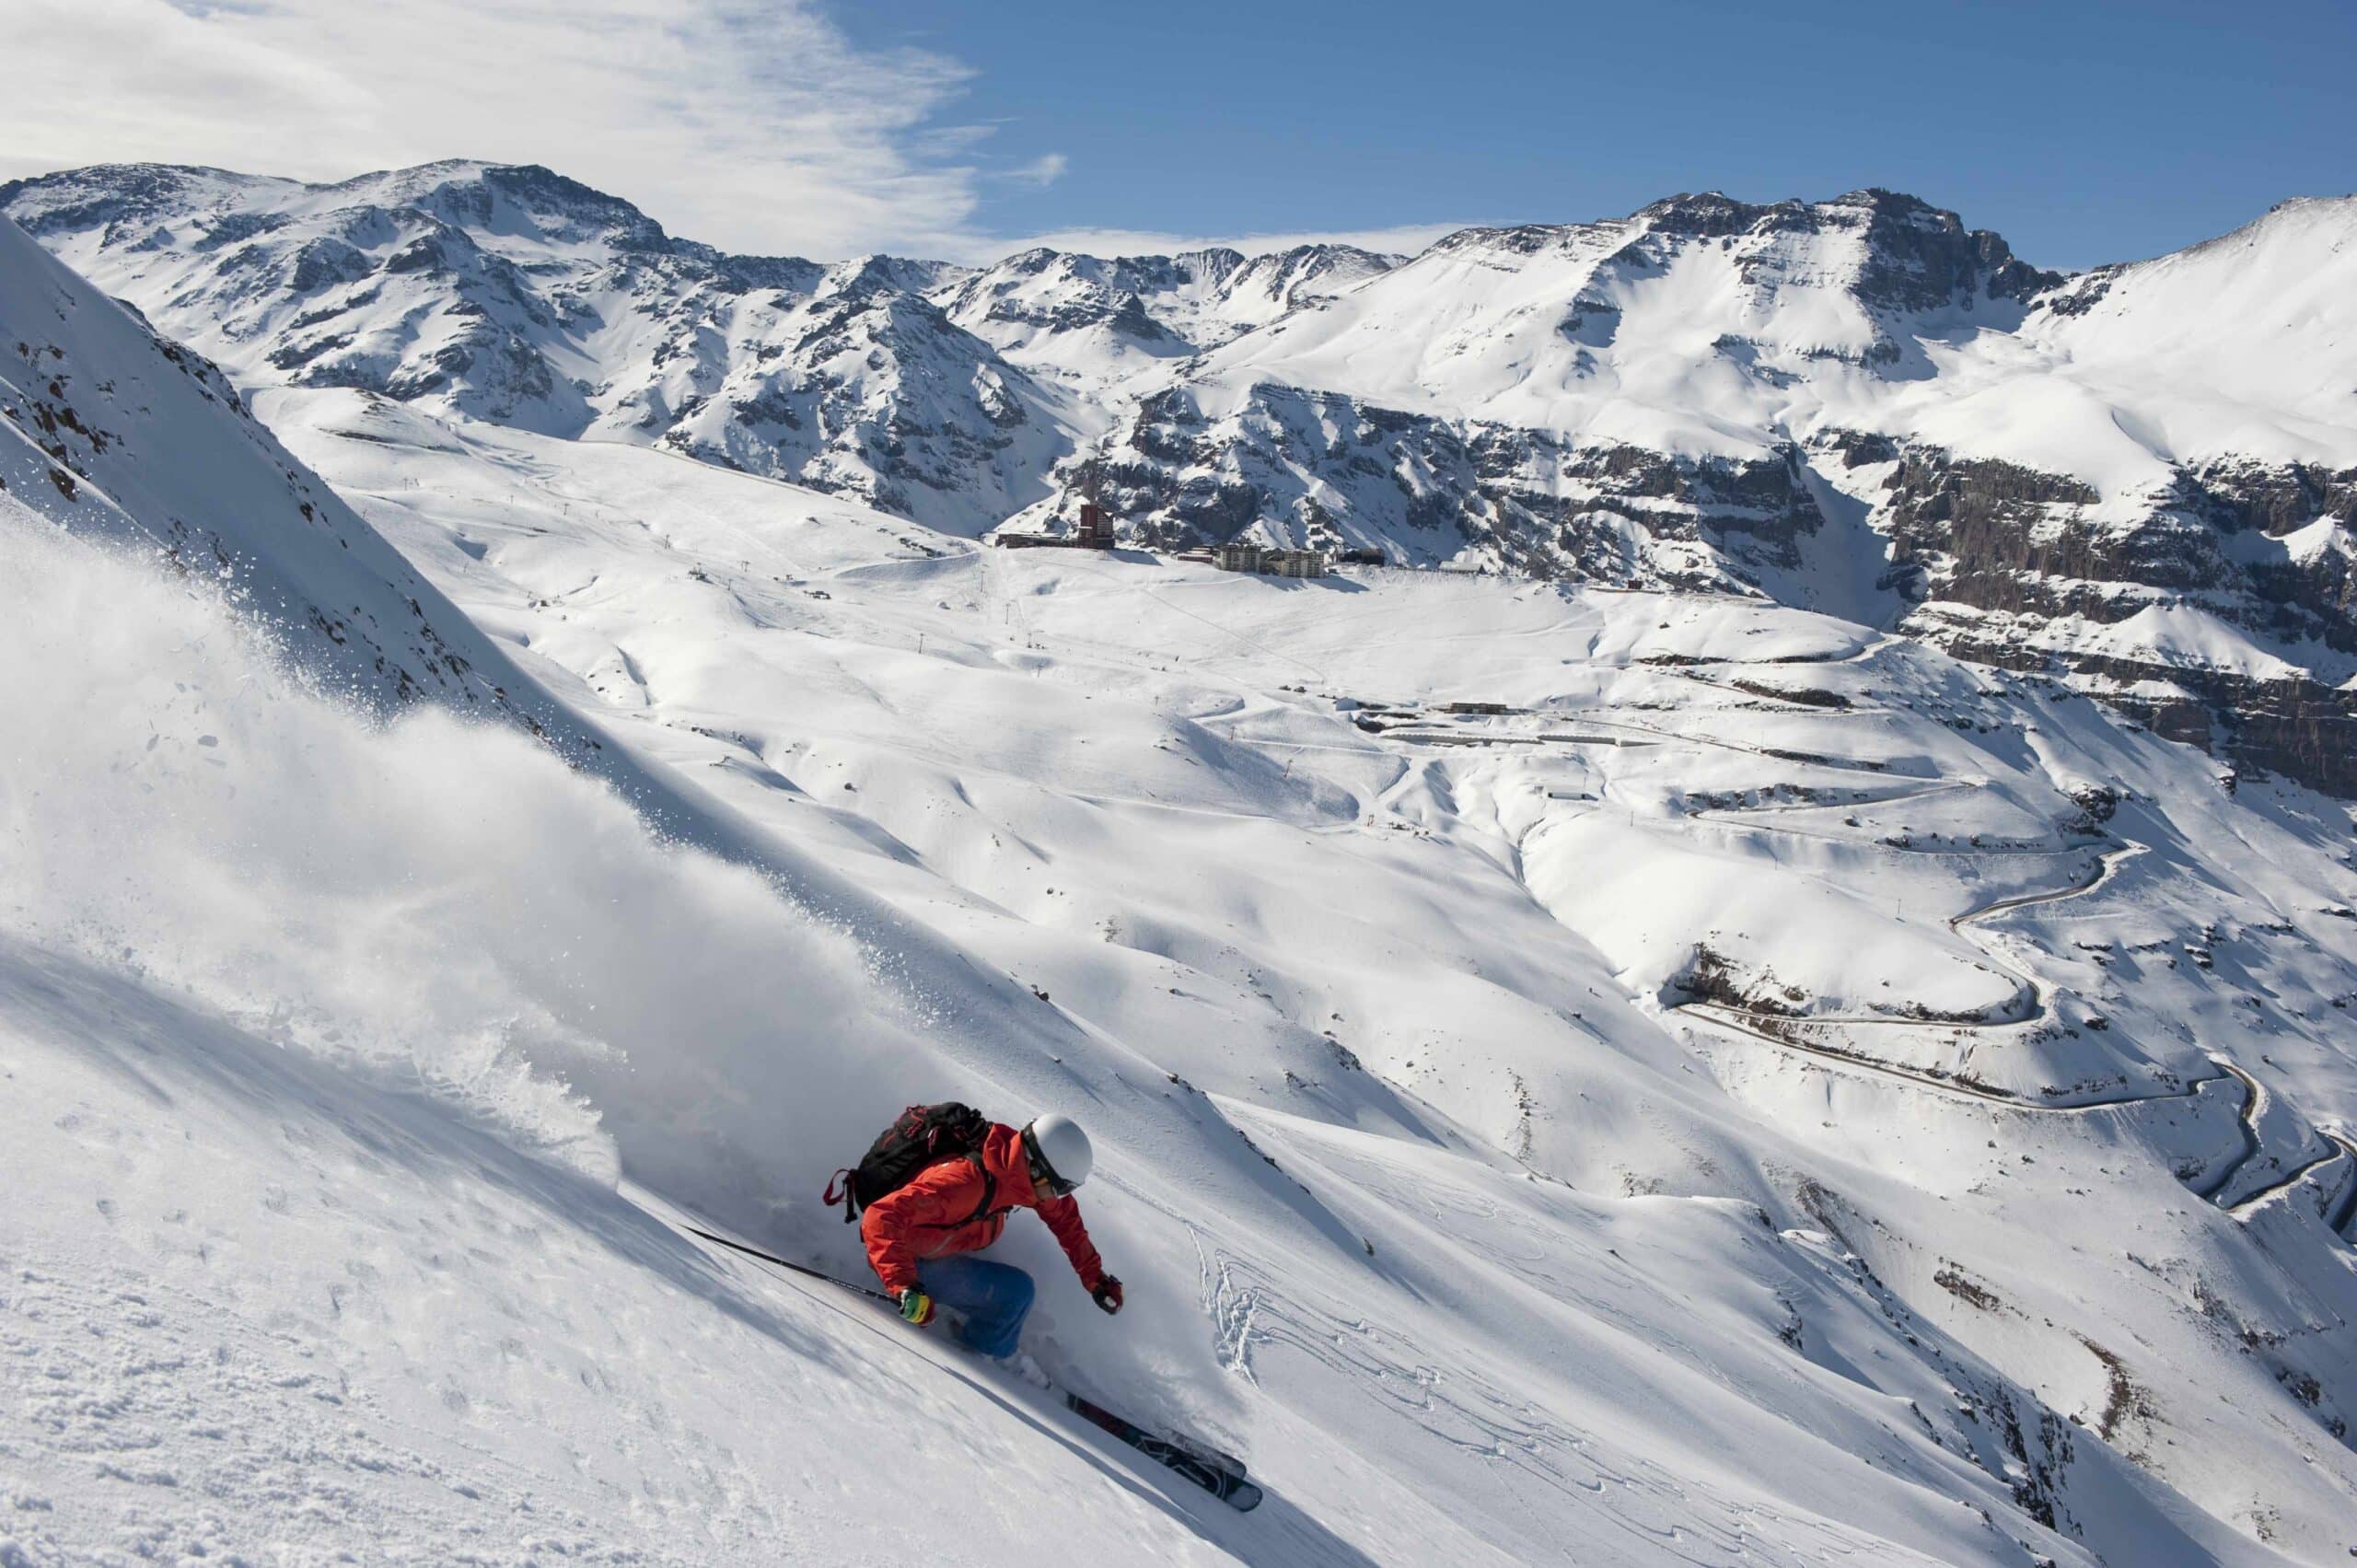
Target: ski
(1218,1473)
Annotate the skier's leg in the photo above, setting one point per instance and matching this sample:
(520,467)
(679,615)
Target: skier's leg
(993,1297)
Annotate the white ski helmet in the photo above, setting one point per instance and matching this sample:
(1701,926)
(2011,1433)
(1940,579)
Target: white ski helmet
(1057,1145)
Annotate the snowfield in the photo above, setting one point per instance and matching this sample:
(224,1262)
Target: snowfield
(1579,1075)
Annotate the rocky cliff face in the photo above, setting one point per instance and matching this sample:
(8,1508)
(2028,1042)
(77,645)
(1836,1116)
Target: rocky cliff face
(2138,479)
(1412,415)
(1293,467)
(2223,613)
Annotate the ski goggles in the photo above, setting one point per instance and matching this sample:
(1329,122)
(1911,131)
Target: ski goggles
(1040,1173)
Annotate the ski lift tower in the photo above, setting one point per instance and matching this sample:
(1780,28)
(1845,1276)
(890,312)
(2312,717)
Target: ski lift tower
(1095,532)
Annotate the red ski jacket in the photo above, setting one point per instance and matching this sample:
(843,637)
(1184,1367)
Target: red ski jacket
(928,1218)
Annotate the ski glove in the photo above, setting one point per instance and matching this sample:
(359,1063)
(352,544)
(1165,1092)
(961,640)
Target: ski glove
(916,1306)
(1108,1294)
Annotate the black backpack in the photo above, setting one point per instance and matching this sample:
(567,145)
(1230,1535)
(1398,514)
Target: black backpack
(924,1135)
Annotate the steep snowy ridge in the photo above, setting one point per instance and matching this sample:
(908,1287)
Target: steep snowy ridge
(113,432)
(2247,330)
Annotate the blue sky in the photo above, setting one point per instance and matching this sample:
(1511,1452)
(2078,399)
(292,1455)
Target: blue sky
(2083,132)
(826,128)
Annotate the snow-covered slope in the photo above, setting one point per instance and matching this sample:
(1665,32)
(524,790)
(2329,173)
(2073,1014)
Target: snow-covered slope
(1092,770)
(2236,348)
(1743,1085)
(406,1254)
(1753,914)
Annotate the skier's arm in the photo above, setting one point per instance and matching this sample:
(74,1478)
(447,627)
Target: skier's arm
(940,1196)
(1063,1215)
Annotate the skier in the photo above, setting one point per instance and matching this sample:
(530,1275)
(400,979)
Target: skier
(921,1233)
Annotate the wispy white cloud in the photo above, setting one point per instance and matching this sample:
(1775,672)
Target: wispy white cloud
(1042,171)
(750,123)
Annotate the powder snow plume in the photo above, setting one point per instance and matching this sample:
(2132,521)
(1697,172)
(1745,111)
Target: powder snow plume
(434,900)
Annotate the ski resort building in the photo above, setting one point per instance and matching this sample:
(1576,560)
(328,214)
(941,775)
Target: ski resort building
(1239,556)
(1095,532)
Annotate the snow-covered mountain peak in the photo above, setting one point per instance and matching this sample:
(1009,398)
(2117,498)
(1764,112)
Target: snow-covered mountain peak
(533,205)
(1890,254)
(1095,321)
(1834,402)
(2268,313)
(899,274)
(513,294)
(523,211)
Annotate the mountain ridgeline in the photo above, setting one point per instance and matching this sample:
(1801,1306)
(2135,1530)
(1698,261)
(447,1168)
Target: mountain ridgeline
(2140,479)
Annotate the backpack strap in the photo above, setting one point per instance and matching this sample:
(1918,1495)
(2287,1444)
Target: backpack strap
(990,1195)
(848,1198)
(990,1192)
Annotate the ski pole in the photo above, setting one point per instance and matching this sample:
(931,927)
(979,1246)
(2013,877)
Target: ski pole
(798,1268)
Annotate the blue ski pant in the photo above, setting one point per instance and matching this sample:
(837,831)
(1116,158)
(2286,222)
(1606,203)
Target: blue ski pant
(993,1297)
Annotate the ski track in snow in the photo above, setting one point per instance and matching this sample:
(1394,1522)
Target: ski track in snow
(1618,1494)
(1253,1318)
